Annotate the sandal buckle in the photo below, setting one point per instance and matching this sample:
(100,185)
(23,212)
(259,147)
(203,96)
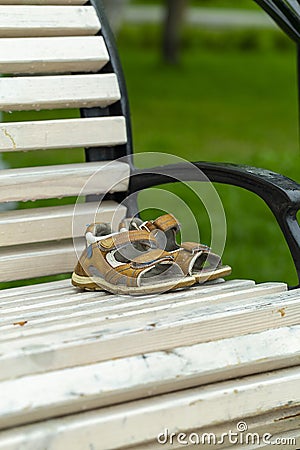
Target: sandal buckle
(143,226)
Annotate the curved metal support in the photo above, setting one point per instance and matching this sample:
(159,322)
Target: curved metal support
(286,13)
(298,82)
(287,17)
(119,108)
(281,194)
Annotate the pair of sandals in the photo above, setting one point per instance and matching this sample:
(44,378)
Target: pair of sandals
(143,258)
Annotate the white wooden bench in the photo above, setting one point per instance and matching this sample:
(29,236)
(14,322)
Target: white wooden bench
(90,370)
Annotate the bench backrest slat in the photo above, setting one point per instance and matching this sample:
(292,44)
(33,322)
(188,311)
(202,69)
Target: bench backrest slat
(65,133)
(37,260)
(36,20)
(54,57)
(55,229)
(60,91)
(28,226)
(64,180)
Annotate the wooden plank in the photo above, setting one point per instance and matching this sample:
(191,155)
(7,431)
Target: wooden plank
(283,425)
(116,313)
(43,2)
(19,357)
(34,288)
(194,408)
(63,180)
(132,318)
(197,408)
(60,91)
(36,20)
(26,291)
(80,431)
(165,371)
(65,133)
(9,297)
(60,222)
(52,55)
(118,308)
(38,260)
(91,329)
(23,299)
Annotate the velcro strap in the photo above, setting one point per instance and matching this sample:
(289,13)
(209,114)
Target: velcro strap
(194,247)
(128,274)
(127,237)
(123,275)
(167,222)
(151,257)
(148,226)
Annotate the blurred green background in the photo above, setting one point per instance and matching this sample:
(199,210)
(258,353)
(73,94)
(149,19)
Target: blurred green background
(231,98)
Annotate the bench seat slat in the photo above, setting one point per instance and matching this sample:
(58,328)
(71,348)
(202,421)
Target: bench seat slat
(60,91)
(129,323)
(17,359)
(118,310)
(87,429)
(64,133)
(149,326)
(42,296)
(58,222)
(37,20)
(51,308)
(75,390)
(64,180)
(40,287)
(52,55)
(9,296)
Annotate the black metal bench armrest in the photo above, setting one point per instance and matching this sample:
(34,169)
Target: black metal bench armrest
(281,194)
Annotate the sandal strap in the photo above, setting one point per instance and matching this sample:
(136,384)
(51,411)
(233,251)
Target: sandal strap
(130,272)
(151,257)
(126,237)
(189,256)
(126,276)
(194,247)
(164,223)
(167,222)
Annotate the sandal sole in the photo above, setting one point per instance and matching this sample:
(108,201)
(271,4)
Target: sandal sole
(96,284)
(212,275)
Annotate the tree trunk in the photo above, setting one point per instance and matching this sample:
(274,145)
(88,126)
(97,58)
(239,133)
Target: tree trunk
(175,11)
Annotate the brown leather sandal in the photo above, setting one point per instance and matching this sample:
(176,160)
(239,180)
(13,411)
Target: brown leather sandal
(126,262)
(195,259)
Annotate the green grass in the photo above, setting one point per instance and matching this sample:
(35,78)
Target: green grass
(217,106)
(223,103)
